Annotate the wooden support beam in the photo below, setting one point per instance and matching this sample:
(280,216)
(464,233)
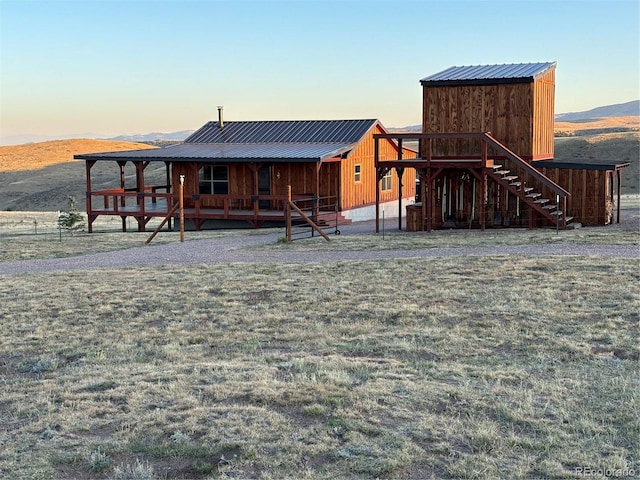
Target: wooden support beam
(483,203)
(619,195)
(400,172)
(166,219)
(90,216)
(376,158)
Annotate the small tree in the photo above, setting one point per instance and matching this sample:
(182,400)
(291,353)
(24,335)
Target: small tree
(72,219)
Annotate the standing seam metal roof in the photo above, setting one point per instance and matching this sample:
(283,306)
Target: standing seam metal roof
(286,131)
(487,74)
(277,141)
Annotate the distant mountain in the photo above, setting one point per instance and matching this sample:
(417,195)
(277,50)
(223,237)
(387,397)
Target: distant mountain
(619,110)
(27,138)
(154,137)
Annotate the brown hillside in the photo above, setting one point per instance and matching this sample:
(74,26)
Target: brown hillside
(598,125)
(35,156)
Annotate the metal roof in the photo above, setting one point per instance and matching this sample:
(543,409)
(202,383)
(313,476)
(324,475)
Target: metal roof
(285,131)
(230,152)
(488,74)
(275,141)
(580,165)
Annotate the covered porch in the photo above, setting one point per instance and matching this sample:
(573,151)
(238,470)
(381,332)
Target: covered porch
(156,199)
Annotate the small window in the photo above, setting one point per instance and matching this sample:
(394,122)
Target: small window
(356,174)
(214,179)
(385,183)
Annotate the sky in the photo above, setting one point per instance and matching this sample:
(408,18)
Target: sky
(113,67)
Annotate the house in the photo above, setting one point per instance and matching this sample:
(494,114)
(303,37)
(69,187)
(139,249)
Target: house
(486,154)
(241,170)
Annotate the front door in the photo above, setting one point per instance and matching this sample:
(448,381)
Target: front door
(264,185)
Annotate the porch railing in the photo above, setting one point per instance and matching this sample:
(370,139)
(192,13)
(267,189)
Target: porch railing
(153,203)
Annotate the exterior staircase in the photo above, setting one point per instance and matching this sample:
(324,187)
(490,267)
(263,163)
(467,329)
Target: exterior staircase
(527,183)
(546,207)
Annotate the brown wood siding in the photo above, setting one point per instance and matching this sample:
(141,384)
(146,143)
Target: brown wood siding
(519,115)
(301,177)
(360,194)
(590,203)
(543,116)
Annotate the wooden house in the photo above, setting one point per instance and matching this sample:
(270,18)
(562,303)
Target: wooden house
(242,171)
(486,153)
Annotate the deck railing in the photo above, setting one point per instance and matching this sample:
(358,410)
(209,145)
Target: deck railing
(153,203)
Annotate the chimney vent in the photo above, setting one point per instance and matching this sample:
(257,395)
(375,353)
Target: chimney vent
(220,117)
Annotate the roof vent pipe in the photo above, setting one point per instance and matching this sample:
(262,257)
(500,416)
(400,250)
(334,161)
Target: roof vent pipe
(220,119)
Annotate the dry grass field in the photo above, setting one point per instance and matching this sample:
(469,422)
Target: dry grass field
(496,367)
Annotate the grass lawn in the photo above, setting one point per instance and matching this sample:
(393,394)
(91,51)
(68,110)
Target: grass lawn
(460,367)
(479,367)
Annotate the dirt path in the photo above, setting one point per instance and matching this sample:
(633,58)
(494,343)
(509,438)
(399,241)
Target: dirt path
(237,249)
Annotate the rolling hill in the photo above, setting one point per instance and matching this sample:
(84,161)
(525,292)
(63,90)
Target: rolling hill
(34,156)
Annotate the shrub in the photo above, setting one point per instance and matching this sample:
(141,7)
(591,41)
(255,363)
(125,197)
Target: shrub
(72,219)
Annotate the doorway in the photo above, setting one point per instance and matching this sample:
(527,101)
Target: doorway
(264,185)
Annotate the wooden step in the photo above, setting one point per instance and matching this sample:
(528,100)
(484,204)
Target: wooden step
(528,189)
(551,207)
(501,172)
(533,195)
(541,200)
(510,178)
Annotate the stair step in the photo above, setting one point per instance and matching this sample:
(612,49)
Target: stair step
(541,200)
(533,195)
(501,172)
(551,207)
(568,219)
(515,184)
(528,189)
(510,178)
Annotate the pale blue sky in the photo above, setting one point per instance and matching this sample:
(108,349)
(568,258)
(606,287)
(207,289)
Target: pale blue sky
(121,66)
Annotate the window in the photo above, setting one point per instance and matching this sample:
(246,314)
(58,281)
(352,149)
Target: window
(214,179)
(356,174)
(385,183)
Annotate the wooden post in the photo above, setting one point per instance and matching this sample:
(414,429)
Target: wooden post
(376,153)
(400,172)
(181,203)
(619,192)
(288,213)
(89,208)
(483,201)
(426,199)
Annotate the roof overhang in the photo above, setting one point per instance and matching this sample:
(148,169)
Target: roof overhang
(229,153)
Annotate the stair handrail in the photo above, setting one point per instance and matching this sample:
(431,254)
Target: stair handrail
(526,167)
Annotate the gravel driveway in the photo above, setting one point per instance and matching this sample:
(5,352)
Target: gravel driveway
(233,250)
